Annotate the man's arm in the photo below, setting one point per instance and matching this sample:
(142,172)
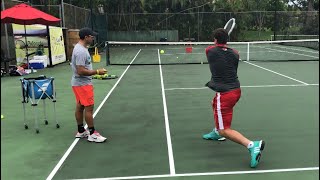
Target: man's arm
(208,48)
(236,53)
(82,71)
(80,66)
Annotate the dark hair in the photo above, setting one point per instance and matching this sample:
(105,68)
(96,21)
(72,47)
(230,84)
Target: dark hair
(221,35)
(86,32)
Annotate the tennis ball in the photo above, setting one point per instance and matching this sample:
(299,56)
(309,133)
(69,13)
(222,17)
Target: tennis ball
(161,51)
(2,116)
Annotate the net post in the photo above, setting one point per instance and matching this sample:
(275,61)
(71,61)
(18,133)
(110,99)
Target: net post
(275,20)
(248,51)
(107,53)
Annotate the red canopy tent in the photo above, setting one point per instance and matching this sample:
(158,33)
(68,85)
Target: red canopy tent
(27,15)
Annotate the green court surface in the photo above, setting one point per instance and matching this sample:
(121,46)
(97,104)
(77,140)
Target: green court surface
(154,118)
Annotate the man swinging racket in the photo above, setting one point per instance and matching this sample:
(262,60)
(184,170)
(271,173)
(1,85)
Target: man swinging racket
(223,62)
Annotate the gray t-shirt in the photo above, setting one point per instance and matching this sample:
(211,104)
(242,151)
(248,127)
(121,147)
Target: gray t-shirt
(80,56)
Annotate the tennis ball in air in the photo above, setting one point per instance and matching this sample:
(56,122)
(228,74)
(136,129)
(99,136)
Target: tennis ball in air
(2,116)
(161,51)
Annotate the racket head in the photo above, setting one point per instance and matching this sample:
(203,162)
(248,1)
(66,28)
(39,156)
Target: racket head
(229,26)
(20,44)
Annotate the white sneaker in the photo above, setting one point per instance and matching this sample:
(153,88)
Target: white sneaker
(96,137)
(82,135)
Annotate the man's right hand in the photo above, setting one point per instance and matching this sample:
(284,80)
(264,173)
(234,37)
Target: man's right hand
(102,71)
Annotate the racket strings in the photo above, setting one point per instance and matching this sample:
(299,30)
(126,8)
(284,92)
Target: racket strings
(230,25)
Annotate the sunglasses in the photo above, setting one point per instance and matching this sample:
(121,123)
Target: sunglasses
(90,36)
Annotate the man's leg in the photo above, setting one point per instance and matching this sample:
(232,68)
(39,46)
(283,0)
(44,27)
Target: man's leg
(234,136)
(254,147)
(94,135)
(79,118)
(79,113)
(213,135)
(89,117)
(222,106)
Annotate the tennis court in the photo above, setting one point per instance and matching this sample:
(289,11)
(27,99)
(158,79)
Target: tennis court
(154,118)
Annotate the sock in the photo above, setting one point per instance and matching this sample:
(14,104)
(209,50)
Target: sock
(250,145)
(80,128)
(216,131)
(91,129)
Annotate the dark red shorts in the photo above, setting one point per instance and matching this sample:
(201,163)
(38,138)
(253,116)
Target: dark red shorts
(84,94)
(222,105)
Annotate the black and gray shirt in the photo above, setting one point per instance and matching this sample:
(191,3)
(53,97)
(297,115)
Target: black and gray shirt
(223,62)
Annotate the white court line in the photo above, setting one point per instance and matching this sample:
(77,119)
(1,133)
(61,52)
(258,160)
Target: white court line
(209,174)
(257,86)
(166,119)
(255,52)
(179,54)
(276,73)
(170,89)
(66,154)
(287,52)
(315,52)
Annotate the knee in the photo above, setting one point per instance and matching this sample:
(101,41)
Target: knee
(79,108)
(89,109)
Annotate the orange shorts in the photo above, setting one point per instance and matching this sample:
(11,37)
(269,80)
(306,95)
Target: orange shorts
(84,94)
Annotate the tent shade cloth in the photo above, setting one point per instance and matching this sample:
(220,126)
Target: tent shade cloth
(27,15)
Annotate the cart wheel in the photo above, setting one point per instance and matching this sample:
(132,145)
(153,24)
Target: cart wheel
(58,126)
(46,122)
(37,131)
(26,126)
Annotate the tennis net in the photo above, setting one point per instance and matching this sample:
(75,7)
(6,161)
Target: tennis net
(149,53)
(292,37)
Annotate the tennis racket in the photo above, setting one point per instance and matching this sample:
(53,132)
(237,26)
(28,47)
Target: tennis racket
(230,25)
(20,44)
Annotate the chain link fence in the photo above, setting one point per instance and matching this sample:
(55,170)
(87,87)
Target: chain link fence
(75,17)
(192,26)
(198,26)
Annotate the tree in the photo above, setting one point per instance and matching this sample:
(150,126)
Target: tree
(311,18)
(197,18)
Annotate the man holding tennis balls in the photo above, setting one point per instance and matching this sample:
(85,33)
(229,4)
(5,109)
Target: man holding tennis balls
(223,62)
(82,87)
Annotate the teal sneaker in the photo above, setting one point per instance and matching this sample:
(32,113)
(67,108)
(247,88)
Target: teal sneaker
(255,152)
(213,136)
